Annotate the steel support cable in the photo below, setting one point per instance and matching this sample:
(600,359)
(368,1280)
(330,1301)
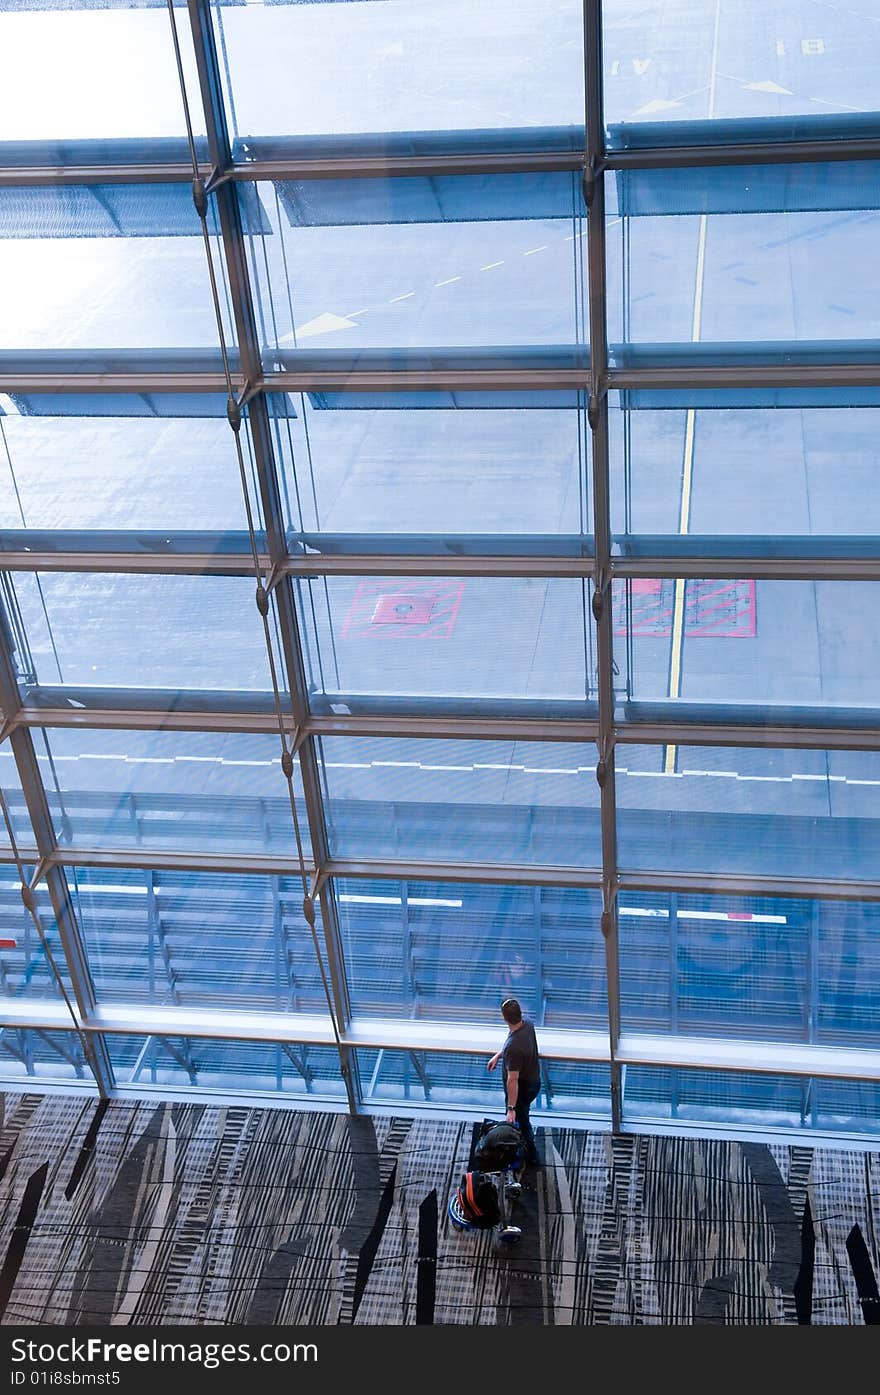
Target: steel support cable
(30,904)
(233,413)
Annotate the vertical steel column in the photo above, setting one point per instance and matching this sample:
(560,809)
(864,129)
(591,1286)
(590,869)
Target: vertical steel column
(597,416)
(69,932)
(270,497)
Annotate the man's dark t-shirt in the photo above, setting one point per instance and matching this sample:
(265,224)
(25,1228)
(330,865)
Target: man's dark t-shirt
(520,1053)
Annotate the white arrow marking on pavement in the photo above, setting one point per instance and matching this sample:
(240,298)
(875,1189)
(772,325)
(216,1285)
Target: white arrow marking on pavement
(767,86)
(323,324)
(658,104)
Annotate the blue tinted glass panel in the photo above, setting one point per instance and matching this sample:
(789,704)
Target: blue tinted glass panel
(15,802)
(481,261)
(85,276)
(447,1079)
(782,813)
(256,1067)
(129,631)
(129,469)
(288,68)
(716,966)
(84,69)
(27,1055)
(852,1106)
(455,951)
(469,801)
(26,971)
(715,63)
(750,1100)
(456,637)
(807,276)
(197,939)
(805,643)
(800,471)
(215,792)
(454,467)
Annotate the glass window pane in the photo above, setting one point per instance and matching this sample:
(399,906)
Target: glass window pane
(716,966)
(807,471)
(804,643)
(851,1106)
(461,260)
(89,68)
(140,631)
(774,813)
(254,1067)
(759,967)
(467,801)
(104,267)
(524,638)
(180,791)
(358,463)
(26,971)
(749,1100)
(125,463)
(15,802)
(446,1080)
(28,1055)
(197,939)
(287,68)
(455,951)
(751,61)
(720,261)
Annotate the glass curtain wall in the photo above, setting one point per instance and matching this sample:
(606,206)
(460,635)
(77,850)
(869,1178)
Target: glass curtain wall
(440,555)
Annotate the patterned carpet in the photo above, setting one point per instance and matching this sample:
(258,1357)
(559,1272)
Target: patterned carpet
(126,1213)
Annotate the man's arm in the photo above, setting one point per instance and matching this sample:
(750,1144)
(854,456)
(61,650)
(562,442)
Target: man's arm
(493,1061)
(512,1090)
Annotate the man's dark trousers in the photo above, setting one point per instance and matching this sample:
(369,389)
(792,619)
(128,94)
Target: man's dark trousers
(526,1093)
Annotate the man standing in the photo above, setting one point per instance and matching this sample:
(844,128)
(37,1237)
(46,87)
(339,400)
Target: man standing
(521,1072)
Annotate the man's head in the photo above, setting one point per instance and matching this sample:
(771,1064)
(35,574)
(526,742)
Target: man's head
(511,1012)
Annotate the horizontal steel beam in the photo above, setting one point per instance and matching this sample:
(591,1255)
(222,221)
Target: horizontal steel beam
(145,563)
(490,874)
(160,859)
(740,884)
(441,727)
(314,378)
(408,166)
(742,153)
(841,568)
(146,719)
(766,1057)
(781,737)
(98,382)
(444,728)
(167,172)
(405,564)
(740,375)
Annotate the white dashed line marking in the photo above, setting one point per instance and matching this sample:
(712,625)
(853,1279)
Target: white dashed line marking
(532,250)
(448,281)
(396,298)
(490,266)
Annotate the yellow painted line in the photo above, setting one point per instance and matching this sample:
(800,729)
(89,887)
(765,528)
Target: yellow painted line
(684,514)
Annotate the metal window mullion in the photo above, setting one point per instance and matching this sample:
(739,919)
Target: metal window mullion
(267,476)
(594,194)
(69,932)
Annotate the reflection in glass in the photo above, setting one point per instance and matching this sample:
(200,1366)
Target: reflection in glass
(197,939)
(455,951)
(217,792)
(774,813)
(466,801)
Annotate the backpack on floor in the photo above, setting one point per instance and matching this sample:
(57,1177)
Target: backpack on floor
(499,1146)
(478,1201)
